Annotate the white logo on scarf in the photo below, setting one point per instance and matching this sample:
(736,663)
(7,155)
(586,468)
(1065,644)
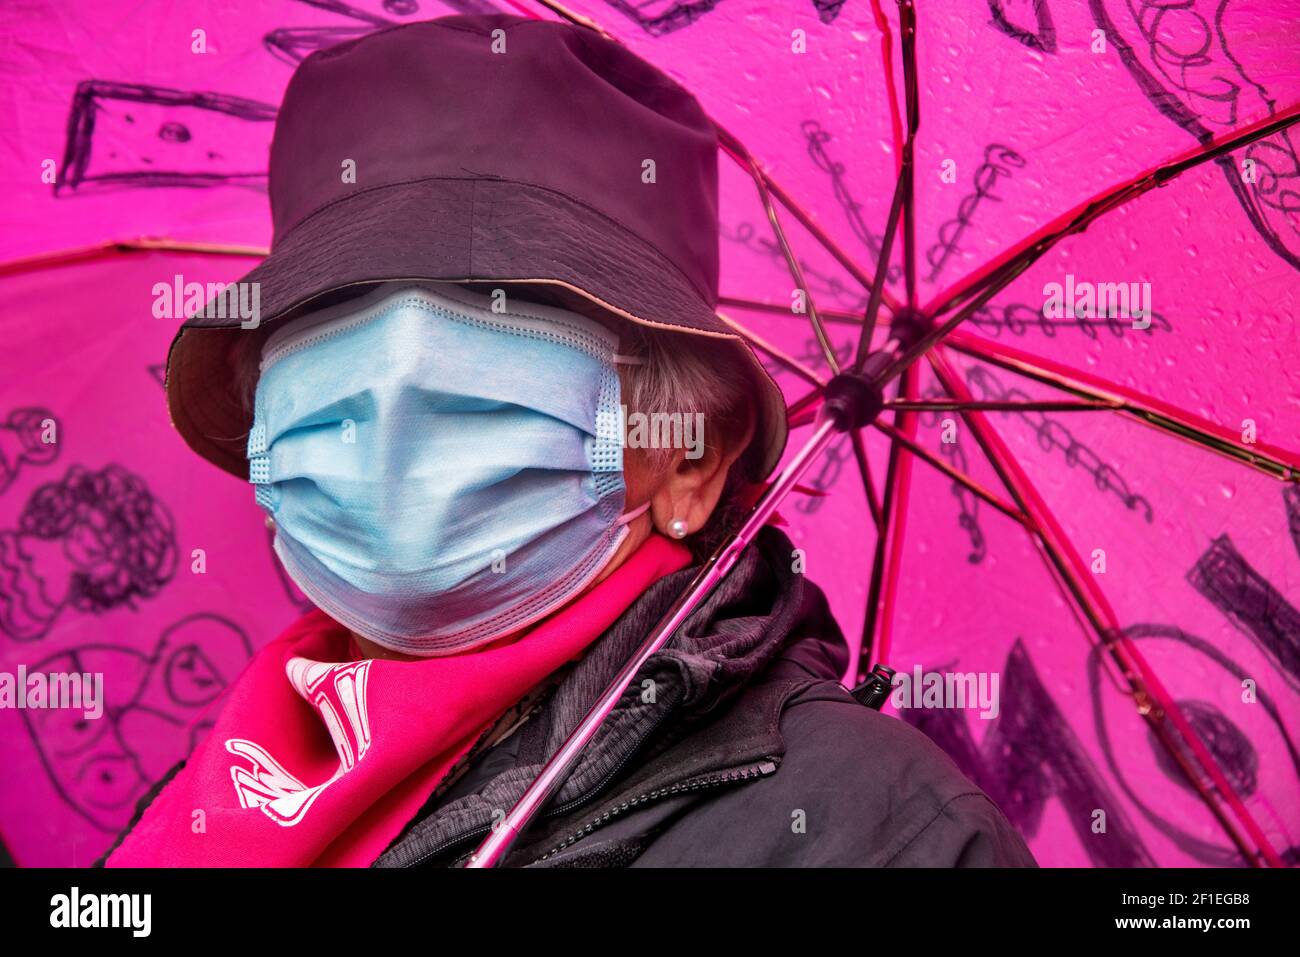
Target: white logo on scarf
(338,692)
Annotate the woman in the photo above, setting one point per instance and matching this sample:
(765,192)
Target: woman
(432,411)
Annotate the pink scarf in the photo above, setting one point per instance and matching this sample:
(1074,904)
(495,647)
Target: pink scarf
(320,760)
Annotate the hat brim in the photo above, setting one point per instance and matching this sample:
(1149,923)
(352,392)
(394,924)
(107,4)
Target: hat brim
(454,230)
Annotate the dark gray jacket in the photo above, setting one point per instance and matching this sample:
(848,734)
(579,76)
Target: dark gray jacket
(736,746)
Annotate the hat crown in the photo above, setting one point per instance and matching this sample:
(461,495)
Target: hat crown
(503,97)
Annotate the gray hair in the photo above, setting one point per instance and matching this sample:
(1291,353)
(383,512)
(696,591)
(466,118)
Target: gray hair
(713,377)
(679,373)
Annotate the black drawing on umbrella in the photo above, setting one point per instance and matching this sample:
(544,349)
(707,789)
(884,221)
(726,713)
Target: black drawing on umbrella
(153,715)
(1232,747)
(913,335)
(1291,501)
(1252,604)
(154,137)
(818,282)
(817,138)
(1179,56)
(660,17)
(1029,755)
(292,44)
(91,542)
(1000,162)
(24,443)
(1013,17)
(1052,436)
(1018,319)
(824,479)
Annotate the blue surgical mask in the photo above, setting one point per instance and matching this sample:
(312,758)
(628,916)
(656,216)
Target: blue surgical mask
(440,474)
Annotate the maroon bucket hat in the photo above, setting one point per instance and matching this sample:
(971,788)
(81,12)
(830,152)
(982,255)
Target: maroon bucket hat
(482,147)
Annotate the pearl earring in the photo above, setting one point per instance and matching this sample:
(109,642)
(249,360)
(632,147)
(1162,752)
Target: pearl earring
(677,528)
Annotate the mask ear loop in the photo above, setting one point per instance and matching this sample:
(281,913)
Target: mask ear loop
(628,360)
(634,514)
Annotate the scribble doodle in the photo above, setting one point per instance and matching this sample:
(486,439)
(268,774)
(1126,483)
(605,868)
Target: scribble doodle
(1251,603)
(813,355)
(1018,319)
(1291,502)
(156,708)
(292,45)
(1010,16)
(1178,54)
(1228,746)
(91,542)
(1236,753)
(1029,755)
(968,503)
(1053,436)
(817,139)
(832,465)
(23,442)
(999,162)
(820,284)
(160,137)
(828,10)
(660,17)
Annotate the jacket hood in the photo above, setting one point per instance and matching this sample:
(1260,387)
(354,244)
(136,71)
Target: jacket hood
(764,616)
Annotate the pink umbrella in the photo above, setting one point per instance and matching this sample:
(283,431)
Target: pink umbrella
(1081,491)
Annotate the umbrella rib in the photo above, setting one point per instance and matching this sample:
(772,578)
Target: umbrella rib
(755,305)
(907,39)
(882,264)
(1278,463)
(988,282)
(952,405)
(1153,702)
(1078,218)
(956,475)
(904,201)
(800,411)
(737,150)
(113,247)
(887,68)
(889,538)
(864,469)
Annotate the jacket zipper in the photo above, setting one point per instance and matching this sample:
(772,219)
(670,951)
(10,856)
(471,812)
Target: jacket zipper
(564,808)
(713,779)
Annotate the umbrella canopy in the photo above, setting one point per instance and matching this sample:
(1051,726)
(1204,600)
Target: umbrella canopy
(1082,496)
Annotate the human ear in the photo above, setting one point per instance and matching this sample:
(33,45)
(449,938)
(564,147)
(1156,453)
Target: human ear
(691,486)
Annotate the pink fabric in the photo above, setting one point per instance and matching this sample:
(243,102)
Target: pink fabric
(1027,110)
(320,760)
